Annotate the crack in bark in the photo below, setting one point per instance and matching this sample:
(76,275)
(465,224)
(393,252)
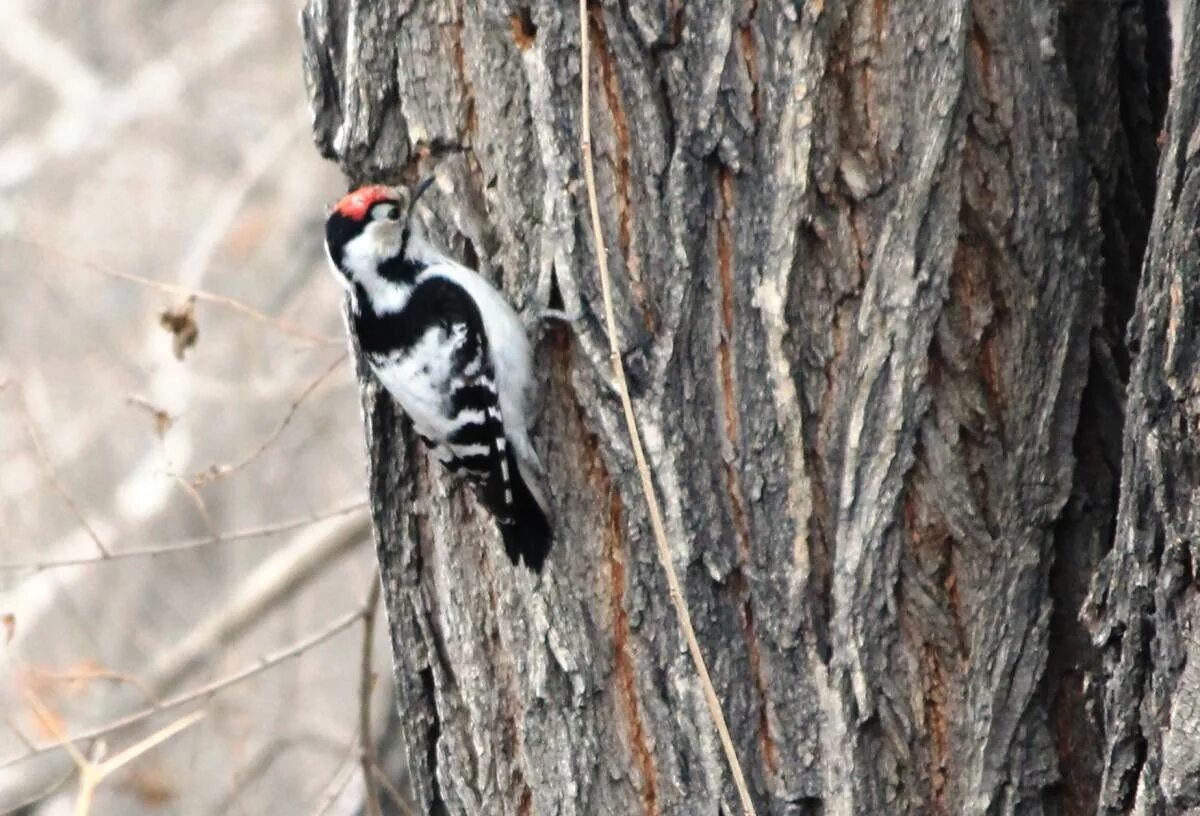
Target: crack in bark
(928,600)
(733,487)
(620,161)
(437,805)
(750,59)
(458,53)
(501,661)
(622,658)
(614,554)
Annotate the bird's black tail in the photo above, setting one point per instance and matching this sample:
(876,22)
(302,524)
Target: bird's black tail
(525,529)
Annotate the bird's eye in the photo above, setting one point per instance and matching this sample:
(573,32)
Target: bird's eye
(389,212)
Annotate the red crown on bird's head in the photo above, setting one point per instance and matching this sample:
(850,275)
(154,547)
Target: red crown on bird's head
(356,204)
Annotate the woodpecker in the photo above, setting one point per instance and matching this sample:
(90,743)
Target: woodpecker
(450,350)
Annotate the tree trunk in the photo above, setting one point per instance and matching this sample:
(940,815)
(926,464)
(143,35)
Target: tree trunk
(1144,607)
(872,262)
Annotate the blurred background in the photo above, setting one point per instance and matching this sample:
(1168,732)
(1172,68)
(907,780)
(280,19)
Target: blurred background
(181,456)
(173,372)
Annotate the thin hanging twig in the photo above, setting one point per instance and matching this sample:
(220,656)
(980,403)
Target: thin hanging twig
(656,523)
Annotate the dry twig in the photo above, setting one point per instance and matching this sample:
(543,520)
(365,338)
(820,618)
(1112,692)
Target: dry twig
(48,469)
(402,802)
(190,544)
(43,794)
(217,472)
(656,523)
(94,672)
(271,584)
(92,773)
(341,779)
(207,690)
(183,292)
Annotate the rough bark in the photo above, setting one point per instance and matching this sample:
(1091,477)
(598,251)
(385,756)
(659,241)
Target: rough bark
(872,264)
(1144,606)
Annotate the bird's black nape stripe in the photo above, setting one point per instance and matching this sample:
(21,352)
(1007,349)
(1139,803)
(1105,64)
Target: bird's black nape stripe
(339,231)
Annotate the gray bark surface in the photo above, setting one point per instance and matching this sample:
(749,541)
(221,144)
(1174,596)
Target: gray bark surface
(1144,606)
(872,264)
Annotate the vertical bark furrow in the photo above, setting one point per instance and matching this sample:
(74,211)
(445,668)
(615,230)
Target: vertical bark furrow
(732,460)
(631,687)
(625,669)
(1142,607)
(620,153)
(1114,55)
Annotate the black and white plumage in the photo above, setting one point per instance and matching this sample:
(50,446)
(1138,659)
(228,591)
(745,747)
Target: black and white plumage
(451,351)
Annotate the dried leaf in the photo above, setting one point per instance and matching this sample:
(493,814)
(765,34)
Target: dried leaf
(162,420)
(180,321)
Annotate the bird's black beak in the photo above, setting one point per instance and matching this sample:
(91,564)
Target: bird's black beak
(420,189)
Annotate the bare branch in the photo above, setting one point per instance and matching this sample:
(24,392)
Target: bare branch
(18,733)
(402,802)
(271,583)
(207,690)
(181,292)
(220,300)
(189,489)
(44,793)
(217,472)
(191,544)
(92,774)
(137,749)
(338,784)
(48,469)
(96,673)
(50,723)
